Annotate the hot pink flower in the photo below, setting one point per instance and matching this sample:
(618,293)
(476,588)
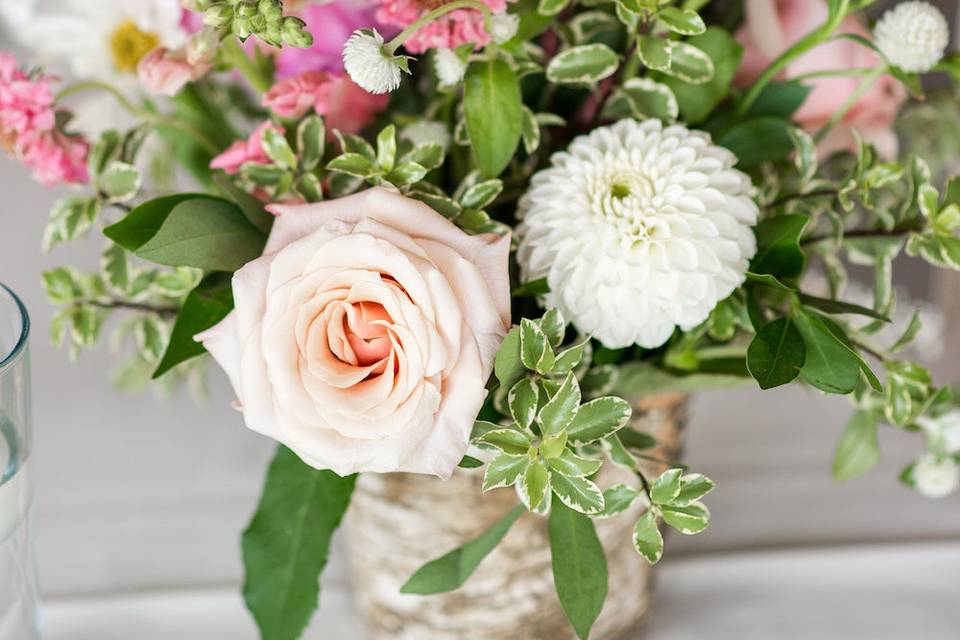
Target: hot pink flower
(344,105)
(774,25)
(165,72)
(244,151)
(452,30)
(28,127)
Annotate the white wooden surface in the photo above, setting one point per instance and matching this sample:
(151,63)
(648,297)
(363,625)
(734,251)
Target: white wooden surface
(140,504)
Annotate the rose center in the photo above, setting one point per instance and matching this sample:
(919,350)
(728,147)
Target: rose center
(128,44)
(367,334)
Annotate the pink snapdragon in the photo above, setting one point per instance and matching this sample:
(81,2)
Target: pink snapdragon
(243,151)
(335,96)
(165,72)
(447,32)
(28,127)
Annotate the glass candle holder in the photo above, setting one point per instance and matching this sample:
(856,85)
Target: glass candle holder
(18,593)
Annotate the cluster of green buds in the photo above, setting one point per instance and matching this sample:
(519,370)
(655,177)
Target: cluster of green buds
(261,18)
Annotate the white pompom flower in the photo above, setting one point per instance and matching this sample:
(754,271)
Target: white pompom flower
(450,67)
(913,36)
(935,476)
(370,65)
(503,26)
(943,432)
(638,229)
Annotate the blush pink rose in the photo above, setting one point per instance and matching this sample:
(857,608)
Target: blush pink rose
(165,72)
(363,338)
(243,151)
(344,105)
(772,26)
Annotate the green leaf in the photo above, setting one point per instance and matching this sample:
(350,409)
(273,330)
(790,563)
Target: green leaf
(839,307)
(647,539)
(570,357)
(277,148)
(689,63)
(742,139)
(469,462)
(682,21)
(551,7)
(311,142)
(308,185)
(557,414)
(778,246)
(494,115)
(829,365)
(120,181)
(579,567)
(509,441)
(654,52)
(69,218)
(141,224)
(643,98)
(116,268)
(913,328)
(522,400)
(205,306)
(504,470)
(252,208)
(585,64)
(205,233)
(776,354)
(577,493)
(451,570)
(445,206)
(779,99)
(536,287)
(598,419)
(618,499)
(554,326)
(481,195)
(536,482)
(352,164)
(288,541)
(406,173)
(666,487)
(693,486)
(570,464)
(530,131)
(62,285)
(387,147)
(688,520)
(858,450)
(429,156)
(535,350)
(508,366)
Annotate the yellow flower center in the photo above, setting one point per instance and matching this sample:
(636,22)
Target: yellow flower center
(129,44)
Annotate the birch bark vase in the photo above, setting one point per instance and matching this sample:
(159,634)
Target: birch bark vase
(398,522)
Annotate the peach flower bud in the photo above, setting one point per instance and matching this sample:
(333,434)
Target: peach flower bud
(166,71)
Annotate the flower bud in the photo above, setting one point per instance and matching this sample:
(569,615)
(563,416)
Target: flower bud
(294,33)
(219,14)
(202,46)
(271,9)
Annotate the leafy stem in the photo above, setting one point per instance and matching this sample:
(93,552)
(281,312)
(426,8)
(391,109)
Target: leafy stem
(861,233)
(820,193)
(116,303)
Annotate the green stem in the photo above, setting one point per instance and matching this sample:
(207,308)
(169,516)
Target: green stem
(235,55)
(133,109)
(832,73)
(809,41)
(391,47)
(868,81)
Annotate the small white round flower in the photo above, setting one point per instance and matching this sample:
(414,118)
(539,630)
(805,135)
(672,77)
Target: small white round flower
(503,26)
(936,477)
(638,229)
(450,67)
(943,431)
(424,132)
(913,36)
(369,65)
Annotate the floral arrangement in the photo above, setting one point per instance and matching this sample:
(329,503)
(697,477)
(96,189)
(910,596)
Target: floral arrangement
(419,236)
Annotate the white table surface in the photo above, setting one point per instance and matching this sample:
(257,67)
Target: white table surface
(140,503)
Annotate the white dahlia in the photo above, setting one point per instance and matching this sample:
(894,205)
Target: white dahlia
(638,229)
(936,477)
(913,36)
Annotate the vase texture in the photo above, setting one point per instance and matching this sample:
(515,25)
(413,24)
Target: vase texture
(398,522)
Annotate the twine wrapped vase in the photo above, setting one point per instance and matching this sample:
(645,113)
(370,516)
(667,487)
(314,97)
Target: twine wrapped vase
(398,522)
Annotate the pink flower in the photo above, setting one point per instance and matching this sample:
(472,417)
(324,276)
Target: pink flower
(450,31)
(364,336)
(331,23)
(774,25)
(166,71)
(244,151)
(293,97)
(28,127)
(344,105)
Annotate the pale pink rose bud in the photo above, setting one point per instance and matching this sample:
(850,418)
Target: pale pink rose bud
(202,46)
(294,97)
(165,72)
(364,336)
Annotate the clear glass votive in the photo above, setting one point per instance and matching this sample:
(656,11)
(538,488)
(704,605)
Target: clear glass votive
(18,592)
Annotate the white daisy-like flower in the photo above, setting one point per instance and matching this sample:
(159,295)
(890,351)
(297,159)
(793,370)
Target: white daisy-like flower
(936,477)
(943,431)
(369,65)
(503,26)
(913,36)
(424,132)
(638,229)
(450,67)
